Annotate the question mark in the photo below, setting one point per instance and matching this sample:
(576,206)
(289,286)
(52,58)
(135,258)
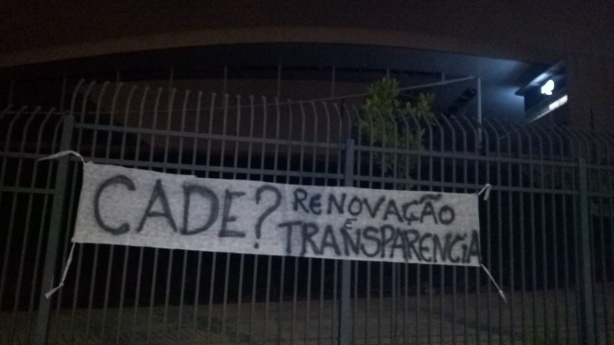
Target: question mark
(268,211)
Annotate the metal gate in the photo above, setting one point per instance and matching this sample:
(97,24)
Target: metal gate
(547,229)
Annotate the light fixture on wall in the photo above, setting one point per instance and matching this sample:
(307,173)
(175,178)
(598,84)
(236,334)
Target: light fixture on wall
(559,102)
(547,88)
(554,105)
(545,93)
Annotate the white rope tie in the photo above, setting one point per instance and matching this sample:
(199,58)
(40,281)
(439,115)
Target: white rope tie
(68,262)
(62,154)
(485,190)
(494,282)
(72,249)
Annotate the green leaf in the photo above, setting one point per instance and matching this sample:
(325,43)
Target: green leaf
(389,122)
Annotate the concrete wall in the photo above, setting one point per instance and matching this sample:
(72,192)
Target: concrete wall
(591,92)
(533,31)
(540,31)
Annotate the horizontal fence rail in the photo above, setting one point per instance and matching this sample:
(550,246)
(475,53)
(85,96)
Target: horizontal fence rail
(547,240)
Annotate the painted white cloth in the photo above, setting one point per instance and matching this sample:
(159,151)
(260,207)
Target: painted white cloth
(135,207)
(373,221)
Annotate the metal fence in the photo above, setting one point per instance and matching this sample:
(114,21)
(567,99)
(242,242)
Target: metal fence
(547,230)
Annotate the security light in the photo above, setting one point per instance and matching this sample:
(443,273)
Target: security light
(559,102)
(547,88)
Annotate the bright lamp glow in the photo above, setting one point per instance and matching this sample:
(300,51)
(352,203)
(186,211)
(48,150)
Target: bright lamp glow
(559,102)
(556,104)
(548,88)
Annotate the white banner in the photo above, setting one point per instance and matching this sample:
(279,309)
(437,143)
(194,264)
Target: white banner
(142,208)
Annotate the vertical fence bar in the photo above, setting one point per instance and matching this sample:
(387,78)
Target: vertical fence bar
(345,312)
(42,318)
(534,187)
(479,111)
(585,288)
